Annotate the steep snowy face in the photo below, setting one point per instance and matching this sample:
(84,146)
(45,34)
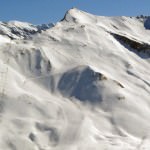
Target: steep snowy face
(86,85)
(81,84)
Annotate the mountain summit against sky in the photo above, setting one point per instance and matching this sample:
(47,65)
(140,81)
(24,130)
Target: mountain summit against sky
(81,84)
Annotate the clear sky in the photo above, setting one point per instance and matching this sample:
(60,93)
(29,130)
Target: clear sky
(45,11)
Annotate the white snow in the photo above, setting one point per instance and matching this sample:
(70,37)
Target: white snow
(4,40)
(75,86)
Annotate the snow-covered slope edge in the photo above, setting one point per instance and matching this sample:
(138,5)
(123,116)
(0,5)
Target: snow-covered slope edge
(82,84)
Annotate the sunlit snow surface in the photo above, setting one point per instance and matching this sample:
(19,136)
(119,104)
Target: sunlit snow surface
(75,86)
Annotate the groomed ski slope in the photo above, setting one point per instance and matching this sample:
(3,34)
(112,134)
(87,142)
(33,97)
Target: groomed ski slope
(82,84)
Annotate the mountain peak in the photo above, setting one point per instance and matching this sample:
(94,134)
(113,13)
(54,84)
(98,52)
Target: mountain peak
(76,15)
(71,15)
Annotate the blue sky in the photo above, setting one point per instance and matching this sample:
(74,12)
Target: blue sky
(45,11)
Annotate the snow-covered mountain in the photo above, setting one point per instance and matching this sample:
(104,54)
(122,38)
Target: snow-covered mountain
(18,30)
(82,84)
